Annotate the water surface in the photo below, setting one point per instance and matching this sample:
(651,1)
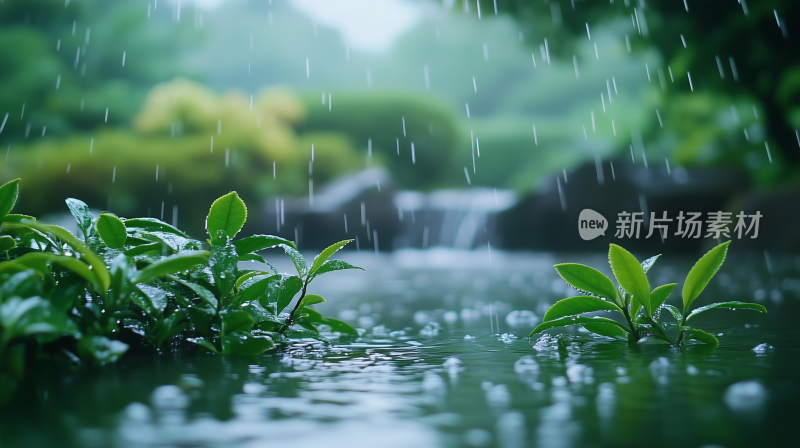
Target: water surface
(444,361)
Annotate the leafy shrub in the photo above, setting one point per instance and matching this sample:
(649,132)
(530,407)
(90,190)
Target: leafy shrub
(171,158)
(640,306)
(75,297)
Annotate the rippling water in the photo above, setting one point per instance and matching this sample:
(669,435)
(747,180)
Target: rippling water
(444,361)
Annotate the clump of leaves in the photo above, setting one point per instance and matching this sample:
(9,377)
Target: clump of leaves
(633,299)
(82,298)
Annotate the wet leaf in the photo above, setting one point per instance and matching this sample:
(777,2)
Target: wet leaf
(326,254)
(728,305)
(152,248)
(297,259)
(205,295)
(647,264)
(98,265)
(584,278)
(7,243)
(660,295)
(224,266)
(676,313)
(8,196)
(156,296)
(111,230)
(171,265)
(334,265)
(578,305)
(701,273)
(101,349)
(340,326)
(312,299)
(83,216)
(258,288)
(609,330)
(204,343)
(255,243)
(226,218)
(153,225)
(630,276)
(700,335)
(573,320)
(241,344)
(237,321)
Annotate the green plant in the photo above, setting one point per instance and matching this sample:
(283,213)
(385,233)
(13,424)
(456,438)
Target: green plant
(634,300)
(87,297)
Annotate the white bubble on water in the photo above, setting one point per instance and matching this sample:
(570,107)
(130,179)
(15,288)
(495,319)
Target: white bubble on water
(746,396)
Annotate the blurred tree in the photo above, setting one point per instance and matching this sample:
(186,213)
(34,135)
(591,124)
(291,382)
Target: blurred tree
(62,63)
(744,54)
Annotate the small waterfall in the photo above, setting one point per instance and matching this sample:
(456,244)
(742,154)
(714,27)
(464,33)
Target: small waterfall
(461,219)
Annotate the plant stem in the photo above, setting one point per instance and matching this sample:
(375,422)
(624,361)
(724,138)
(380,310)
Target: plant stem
(290,319)
(680,333)
(630,323)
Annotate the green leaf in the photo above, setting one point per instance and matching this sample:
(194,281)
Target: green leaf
(101,349)
(630,276)
(310,332)
(171,265)
(152,248)
(257,289)
(310,315)
(7,243)
(297,259)
(204,343)
(248,275)
(252,257)
(98,265)
(226,218)
(312,299)
(701,273)
(728,305)
(240,344)
(700,335)
(237,321)
(204,294)
(22,284)
(111,230)
(156,295)
(573,320)
(39,260)
(153,225)
(676,313)
(224,266)
(285,290)
(647,264)
(255,243)
(334,265)
(80,211)
(587,280)
(175,242)
(341,327)
(325,254)
(660,295)
(608,330)
(8,196)
(578,305)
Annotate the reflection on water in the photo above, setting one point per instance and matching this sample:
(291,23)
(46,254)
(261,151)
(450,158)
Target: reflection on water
(444,361)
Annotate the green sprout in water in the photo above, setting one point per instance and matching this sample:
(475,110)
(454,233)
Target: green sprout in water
(87,297)
(633,299)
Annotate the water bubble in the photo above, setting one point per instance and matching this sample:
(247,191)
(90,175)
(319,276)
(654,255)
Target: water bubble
(526,365)
(762,348)
(169,397)
(746,396)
